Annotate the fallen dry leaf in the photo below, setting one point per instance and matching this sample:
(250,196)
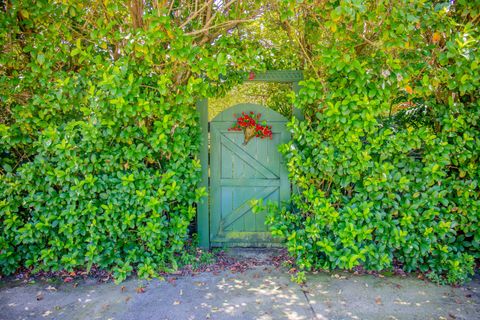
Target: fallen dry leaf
(140,290)
(176,302)
(123,288)
(47,313)
(51,289)
(68,279)
(378,300)
(39,295)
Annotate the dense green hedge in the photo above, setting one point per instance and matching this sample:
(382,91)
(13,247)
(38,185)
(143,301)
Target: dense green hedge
(99,138)
(387,162)
(99,134)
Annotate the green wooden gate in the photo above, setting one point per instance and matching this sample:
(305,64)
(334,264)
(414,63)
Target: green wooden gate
(240,173)
(217,223)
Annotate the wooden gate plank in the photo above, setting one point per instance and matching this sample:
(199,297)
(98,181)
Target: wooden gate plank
(203,221)
(241,173)
(251,161)
(250,182)
(244,207)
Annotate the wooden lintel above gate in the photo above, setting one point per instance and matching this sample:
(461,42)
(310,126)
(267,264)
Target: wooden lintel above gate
(276,76)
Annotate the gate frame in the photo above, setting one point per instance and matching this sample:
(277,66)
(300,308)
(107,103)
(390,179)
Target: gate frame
(203,210)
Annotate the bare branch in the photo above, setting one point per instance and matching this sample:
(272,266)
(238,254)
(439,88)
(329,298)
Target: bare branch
(196,13)
(136,12)
(228,24)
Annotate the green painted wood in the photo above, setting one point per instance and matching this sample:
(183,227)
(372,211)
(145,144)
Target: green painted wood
(215,191)
(240,211)
(250,182)
(297,113)
(239,174)
(204,212)
(276,76)
(203,224)
(228,115)
(247,158)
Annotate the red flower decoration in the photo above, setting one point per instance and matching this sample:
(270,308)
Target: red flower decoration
(252,119)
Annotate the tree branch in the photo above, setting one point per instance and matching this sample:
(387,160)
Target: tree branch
(195,14)
(228,24)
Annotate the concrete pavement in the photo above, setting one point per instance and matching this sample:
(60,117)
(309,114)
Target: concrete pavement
(262,292)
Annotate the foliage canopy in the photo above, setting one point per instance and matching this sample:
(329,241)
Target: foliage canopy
(99,137)
(387,161)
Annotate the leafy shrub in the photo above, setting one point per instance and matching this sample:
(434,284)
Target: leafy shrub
(90,198)
(99,134)
(386,164)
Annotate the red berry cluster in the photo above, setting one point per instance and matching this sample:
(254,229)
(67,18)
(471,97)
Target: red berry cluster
(252,120)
